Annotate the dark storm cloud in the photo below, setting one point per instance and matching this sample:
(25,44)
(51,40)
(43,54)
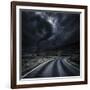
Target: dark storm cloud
(44,30)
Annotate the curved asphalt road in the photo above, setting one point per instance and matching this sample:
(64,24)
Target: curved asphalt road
(54,68)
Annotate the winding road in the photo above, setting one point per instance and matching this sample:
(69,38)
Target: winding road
(59,67)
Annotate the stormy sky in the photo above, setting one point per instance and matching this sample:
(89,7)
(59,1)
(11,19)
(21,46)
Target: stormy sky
(43,30)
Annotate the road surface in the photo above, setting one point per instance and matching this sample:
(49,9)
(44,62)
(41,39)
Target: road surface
(54,68)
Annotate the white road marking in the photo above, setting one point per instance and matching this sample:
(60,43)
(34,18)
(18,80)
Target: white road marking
(71,65)
(35,68)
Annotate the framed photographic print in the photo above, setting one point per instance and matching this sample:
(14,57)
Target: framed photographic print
(48,44)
